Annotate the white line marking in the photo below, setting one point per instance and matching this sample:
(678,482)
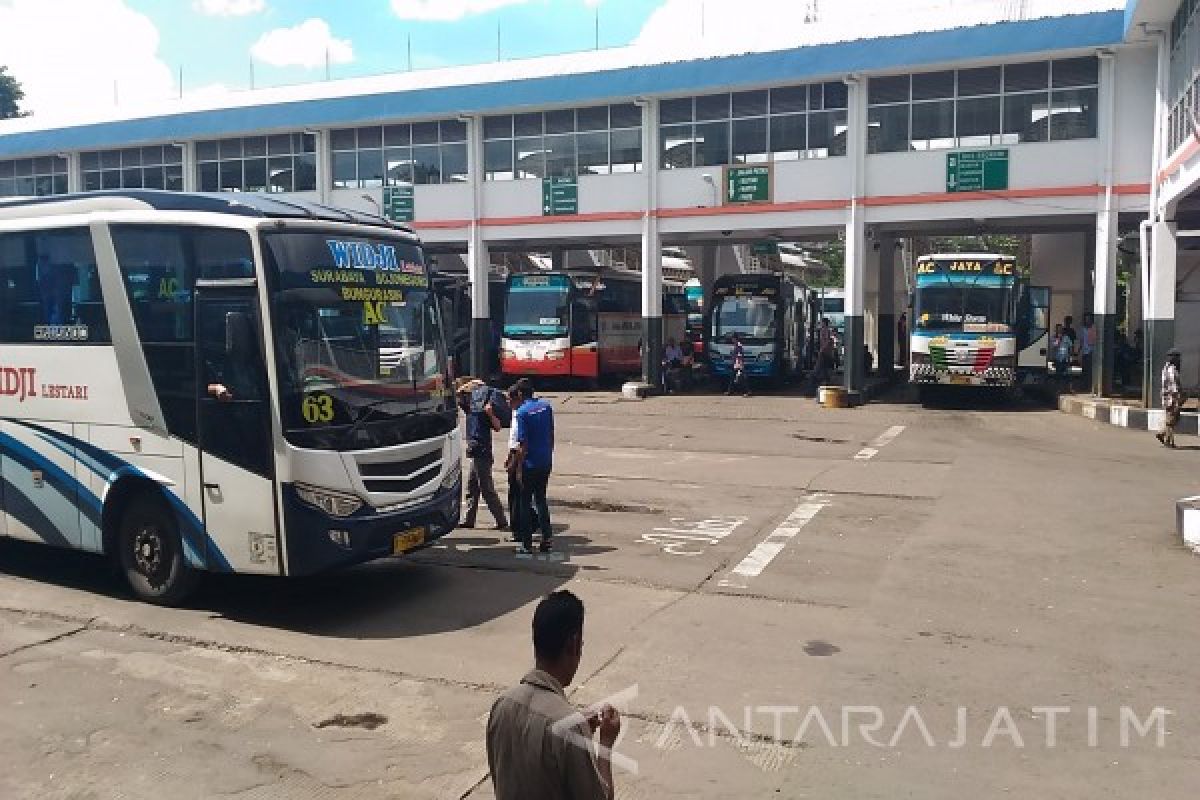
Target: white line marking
(872,449)
(766,550)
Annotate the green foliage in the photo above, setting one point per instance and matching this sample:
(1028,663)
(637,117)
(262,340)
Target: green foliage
(11,95)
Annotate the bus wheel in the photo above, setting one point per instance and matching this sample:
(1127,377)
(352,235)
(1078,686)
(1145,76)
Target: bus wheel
(151,553)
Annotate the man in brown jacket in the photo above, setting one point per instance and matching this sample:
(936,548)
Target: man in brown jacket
(539,746)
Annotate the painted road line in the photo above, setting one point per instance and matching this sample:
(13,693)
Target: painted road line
(872,449)
(766,550)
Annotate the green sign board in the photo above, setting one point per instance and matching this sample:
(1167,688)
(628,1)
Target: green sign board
(977,170)
(560,196)
(748,184)
(398,205)
(764,248)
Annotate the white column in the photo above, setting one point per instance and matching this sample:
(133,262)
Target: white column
(187,163)
(324,165)
(1104,284)
(74,173)
(652,332)
(855,232)
(1160,308)
(478,258)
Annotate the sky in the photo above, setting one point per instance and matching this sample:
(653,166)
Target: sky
(79,56)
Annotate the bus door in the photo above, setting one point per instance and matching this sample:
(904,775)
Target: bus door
(236,456)
(1033,327)
(585,344)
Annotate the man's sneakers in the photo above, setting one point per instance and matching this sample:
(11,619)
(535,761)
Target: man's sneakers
(523,552)
(545,547)
(1162,438)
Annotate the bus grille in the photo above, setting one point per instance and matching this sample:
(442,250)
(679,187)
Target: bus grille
(399,477)
(977,359)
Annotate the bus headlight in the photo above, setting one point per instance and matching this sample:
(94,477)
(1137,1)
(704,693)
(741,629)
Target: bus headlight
(556,355)
(507,354)
(332,503)
(452,477)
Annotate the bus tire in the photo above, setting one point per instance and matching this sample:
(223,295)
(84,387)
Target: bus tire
(150,552)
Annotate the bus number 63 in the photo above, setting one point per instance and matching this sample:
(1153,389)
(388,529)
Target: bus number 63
(317,408)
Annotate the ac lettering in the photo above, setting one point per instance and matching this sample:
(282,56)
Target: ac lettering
(375,313)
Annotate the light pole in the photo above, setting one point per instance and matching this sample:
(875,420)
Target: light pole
(374,202)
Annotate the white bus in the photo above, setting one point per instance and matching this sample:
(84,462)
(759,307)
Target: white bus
(230,383)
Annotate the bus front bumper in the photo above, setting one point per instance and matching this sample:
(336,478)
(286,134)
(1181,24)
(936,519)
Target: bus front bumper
(928,375)
(317,542)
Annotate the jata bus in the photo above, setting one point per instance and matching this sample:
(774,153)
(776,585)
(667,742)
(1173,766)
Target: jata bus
(976,322)
(580,323)
(220,382)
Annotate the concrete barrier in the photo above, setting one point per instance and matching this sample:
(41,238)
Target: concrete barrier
(1187,522)
(1125,416)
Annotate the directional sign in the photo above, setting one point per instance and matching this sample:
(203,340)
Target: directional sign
(764,248)
(977,171)
(398,203)
(560,196)
(748,184)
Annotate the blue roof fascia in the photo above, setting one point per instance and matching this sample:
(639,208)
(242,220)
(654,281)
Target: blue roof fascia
(788,66)
(1130,10)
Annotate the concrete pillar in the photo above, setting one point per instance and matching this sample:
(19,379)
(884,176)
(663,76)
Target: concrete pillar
(324,164)
(187,160)
(871,254)
(652,326)
(885,331)
(1104,274)
(478,258)
(1160,308)
(855,232)
(558,258)
(74,173)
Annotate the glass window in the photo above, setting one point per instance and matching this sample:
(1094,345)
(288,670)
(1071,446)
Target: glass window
(593,153)
(982,80)
(498,127)
(427,163)
(627,150)
(1026,77)
(560,156)
(1071,72)
(593,119)
(933,85)
(280,144)
(789,99)
(626,115)
(369,138)
(231,176)
(205,151)
(425,133)
(304,168)
(1073,114)
(207,174)
(172,154)
(712,107)
(86,161)
(498,160)
(344,139)
(933,125)
(712,144)
(129,158)
(254,175)
(152,178)
(749,104)
(890,89)
(677,146)
(370,169)
(750,141)
(527,124)
(453,130)
(530,157)
(230,148)
(826,134)
(978,122)
(397,136)
(399,165)
(1026,117)
(837,95)
(673,111)
(254,146)
(788,137)
(345,171)
(50,289)
(152,156)
(561,121)
(887,129)
(279,174)
(454,162)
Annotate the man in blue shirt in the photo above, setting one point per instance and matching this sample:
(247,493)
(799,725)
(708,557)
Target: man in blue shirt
(475,400)
(535,459)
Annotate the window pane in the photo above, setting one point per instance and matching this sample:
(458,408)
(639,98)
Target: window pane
(255,179)
(27,187)
(893,89)
(397,136)
(131,178)
(530,158)
(44,184)
(425,133)
(304,143)
(560,156)
(343,139)
(625,115)
(152,156)
(152,178)
(50,279)
(1073,114)
(788,139)
(345,170)
(207,176)
(887,129)
(677,110)
(398,161)
(109,159)
(933,85)
(527,124)
(172,154)
(593,119)
(86,161)
(837,95)
(370,168)
(497,127)
(933,125)
(750,141)
(206,151)
(231,176)
(979,121)
(713,106)
(231,148)
(304,172)
(279,145)
(560,121)
(453,130)
(427,163)
(60,184)
(1068,72)
(173,177)
(369,137)
(627,150)
(1024,77)
(498,160)
(454,162)
(984,80)
(1025,117)
(593,153)
(712,144)
(279,174)
(91,182)
(789,99)
(677,146)
(254,146)
(749,104)
(129,158)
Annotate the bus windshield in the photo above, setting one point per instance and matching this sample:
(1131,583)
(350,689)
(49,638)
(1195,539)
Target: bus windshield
(752,317)
(538,306)
(359,340)
(959,306)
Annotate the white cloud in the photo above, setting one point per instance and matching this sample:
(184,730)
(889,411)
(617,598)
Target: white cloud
(592,3)
(698,27)
(304,45)
(447,10)
(95,44)
(229,8)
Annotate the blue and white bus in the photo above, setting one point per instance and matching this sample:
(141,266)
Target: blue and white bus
(769,313)
(222,383)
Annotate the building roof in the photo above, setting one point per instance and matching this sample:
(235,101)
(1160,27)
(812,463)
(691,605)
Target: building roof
(569,80)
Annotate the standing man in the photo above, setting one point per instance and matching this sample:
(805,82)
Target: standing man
(902,339)
(535,457)
(475,398)
(1172,398)
(512,468)
(538,745)
(737,368)
(1087,342)
(824,355)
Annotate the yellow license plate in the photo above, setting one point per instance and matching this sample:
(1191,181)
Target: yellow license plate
(966,379)
(407,540)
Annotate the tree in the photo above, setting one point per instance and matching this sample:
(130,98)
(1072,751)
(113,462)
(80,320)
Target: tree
(11,95)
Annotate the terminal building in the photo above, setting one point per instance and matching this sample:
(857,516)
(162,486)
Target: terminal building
(1092,119)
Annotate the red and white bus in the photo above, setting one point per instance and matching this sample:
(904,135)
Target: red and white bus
(580,323)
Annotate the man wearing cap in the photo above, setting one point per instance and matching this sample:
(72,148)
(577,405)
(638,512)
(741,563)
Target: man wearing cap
(474,398)
(1172,398)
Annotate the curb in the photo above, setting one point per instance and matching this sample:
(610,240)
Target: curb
(1187,522)
(1123,416)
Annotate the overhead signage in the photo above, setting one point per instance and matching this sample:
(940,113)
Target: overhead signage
(560,196)
(966,266)
(977,171)
(399,204)
(748,184)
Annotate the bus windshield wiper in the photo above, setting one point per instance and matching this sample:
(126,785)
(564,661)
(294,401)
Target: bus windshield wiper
(368,411)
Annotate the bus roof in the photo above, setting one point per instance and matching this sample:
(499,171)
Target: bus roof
(245,204)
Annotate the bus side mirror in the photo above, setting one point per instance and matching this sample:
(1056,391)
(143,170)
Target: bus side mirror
(239,335)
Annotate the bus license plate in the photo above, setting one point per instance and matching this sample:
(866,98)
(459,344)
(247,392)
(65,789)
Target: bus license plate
(407,540)
(964,379)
